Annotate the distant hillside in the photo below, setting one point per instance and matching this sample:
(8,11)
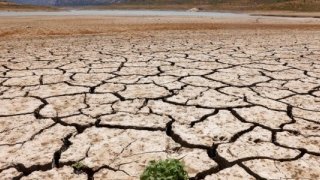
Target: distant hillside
(293,5)
(85,2)
(11,6)
(65,2)
(35,2)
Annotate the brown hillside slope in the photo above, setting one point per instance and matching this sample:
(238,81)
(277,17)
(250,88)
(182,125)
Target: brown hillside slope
(234,5)
(9,6)
(282,5)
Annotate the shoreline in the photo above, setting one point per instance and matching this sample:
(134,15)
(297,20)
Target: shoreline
(153,12)
(54,26)
(16,8)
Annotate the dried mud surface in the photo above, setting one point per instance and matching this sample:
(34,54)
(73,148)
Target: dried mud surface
(231,104)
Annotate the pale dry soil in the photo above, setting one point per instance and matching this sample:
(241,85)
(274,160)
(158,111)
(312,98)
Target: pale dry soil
(231,103)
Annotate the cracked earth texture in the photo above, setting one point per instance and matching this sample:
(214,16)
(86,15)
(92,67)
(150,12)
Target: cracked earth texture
(230,104)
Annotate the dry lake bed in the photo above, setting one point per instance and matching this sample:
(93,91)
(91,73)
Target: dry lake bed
(231,98)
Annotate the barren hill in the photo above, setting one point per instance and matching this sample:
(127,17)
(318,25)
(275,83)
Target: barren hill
(292,5)
(11,6)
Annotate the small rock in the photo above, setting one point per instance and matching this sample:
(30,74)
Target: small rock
(194,10)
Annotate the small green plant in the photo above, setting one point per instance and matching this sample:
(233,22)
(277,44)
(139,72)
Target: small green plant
(169,169)
(78,166)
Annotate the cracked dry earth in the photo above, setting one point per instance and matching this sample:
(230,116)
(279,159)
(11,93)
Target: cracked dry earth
(230,104)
